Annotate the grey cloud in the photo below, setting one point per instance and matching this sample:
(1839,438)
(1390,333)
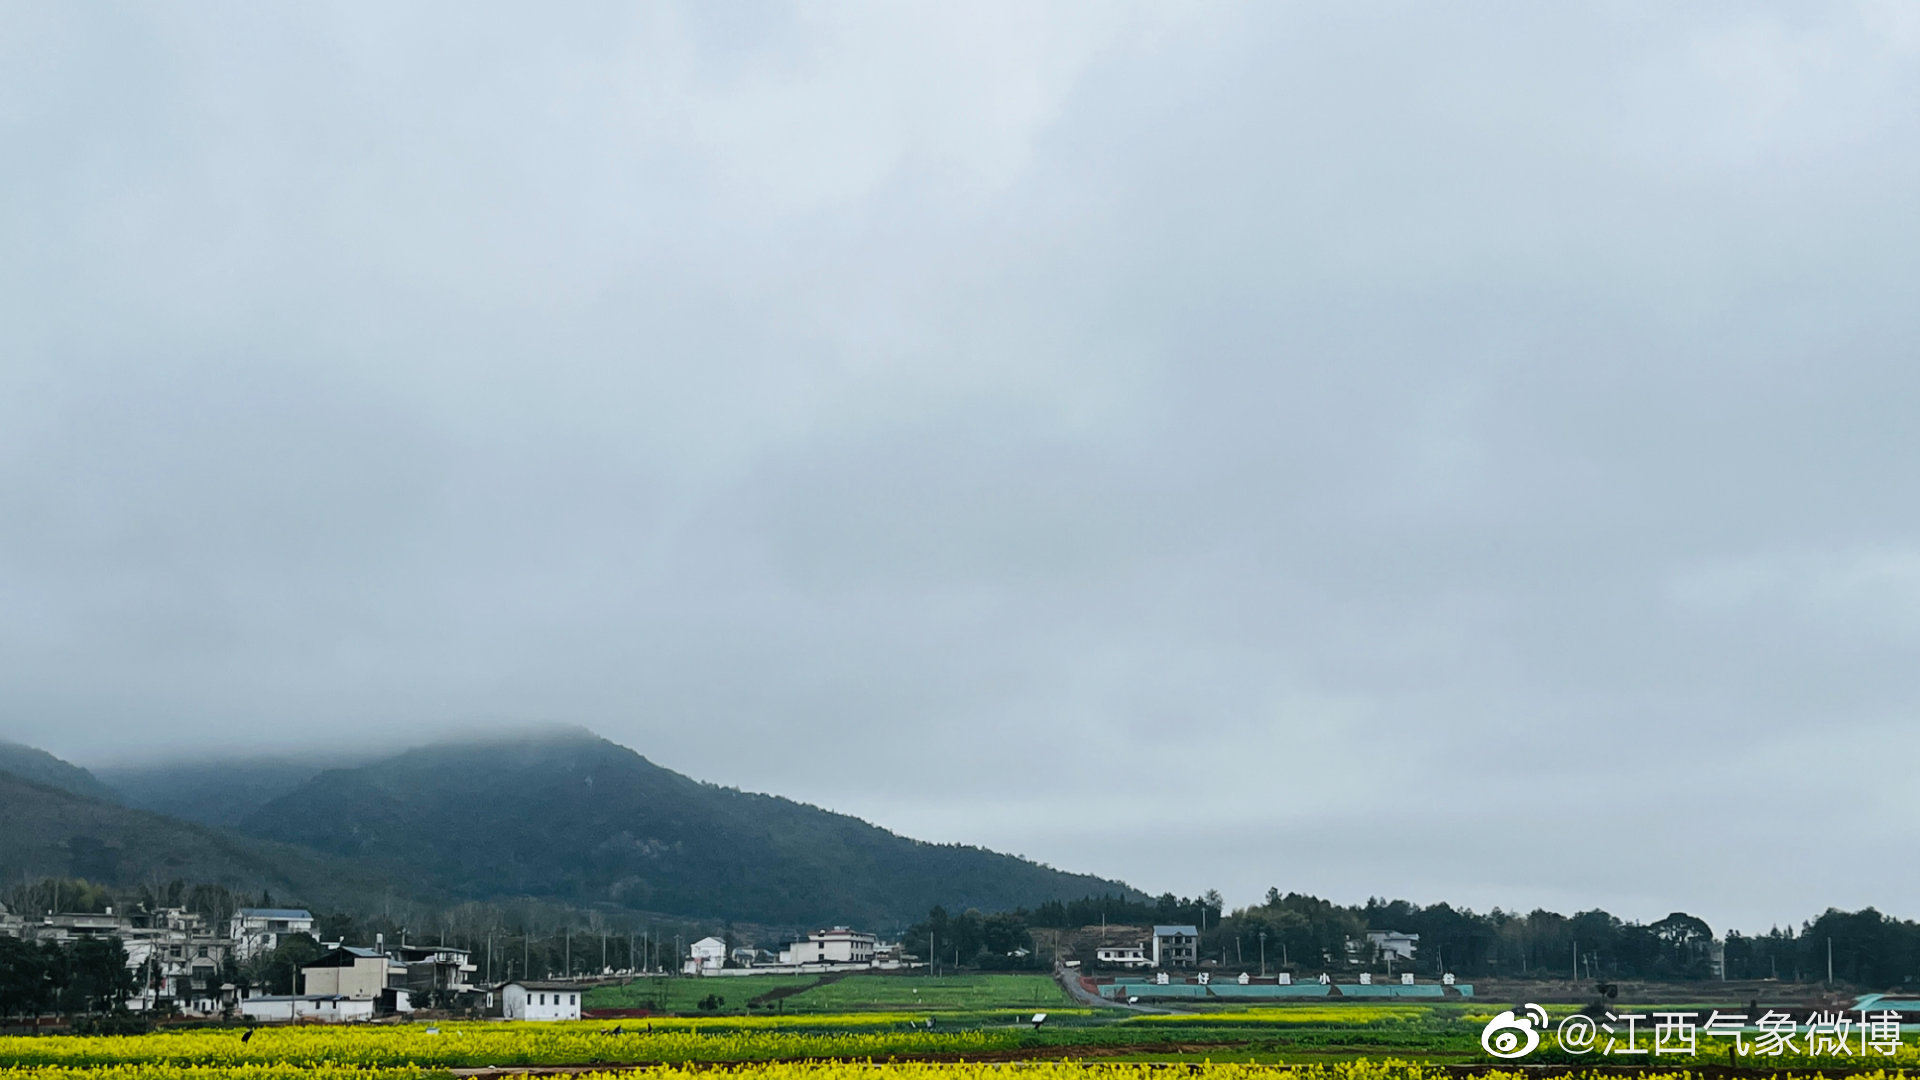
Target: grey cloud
(1449,425)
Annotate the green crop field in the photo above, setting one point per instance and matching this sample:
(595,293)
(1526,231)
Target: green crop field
(671,994)
(990,1014)
(911,992)
(885,993)
(1358,1042)
(866,1026)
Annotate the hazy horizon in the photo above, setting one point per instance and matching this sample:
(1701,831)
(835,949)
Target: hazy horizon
(1451,453)
(513,732)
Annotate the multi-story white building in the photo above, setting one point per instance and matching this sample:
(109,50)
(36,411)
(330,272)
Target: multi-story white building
(1176,946)
(258,930)
(436,971)
(527,1000)
(180,964)
(707,954)
(171,952)
(836,946)
(1123,956)
(1392,944)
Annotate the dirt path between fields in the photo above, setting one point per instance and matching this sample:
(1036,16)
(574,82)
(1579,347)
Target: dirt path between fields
(1069,981)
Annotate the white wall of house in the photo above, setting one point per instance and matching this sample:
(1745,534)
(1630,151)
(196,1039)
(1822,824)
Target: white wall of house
(326,1009)
(838,945)
(367,976)
(258,930)
(1393,943)
(539,1002)
(1176,946)
(708,953)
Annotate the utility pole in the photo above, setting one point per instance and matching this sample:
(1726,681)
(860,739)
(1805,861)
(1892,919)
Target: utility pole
(1263,954)
(1576,960)
(1829,960)
(566,949)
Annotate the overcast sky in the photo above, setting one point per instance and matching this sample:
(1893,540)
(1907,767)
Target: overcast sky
(1457,452)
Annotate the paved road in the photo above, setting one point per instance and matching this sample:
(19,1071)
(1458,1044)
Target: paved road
(1069,981)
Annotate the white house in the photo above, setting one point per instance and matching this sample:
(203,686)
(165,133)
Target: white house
(257,930)
(836,946)
(326,1008)
(1176,946)
(177,959)
(1394,944)
(1123,956)
(528,1000)
(707,954)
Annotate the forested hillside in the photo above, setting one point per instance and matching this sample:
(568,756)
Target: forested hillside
(215,791)
(29,763)
(573,817)
(49,832)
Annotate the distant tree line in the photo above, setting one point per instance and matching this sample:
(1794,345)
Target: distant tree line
(80,896)
(1302,933)
(1307,935)
(1120,911)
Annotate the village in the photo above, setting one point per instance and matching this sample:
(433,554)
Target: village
(177,957)
(179,963)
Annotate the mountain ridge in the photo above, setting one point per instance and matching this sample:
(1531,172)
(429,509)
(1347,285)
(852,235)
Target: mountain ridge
(34,764)
(585,820)
(53,832)
(555,814)
(219,792)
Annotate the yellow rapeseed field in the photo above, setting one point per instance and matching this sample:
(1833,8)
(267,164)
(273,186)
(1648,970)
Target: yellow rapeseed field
(479,1044)
(1354,1070)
